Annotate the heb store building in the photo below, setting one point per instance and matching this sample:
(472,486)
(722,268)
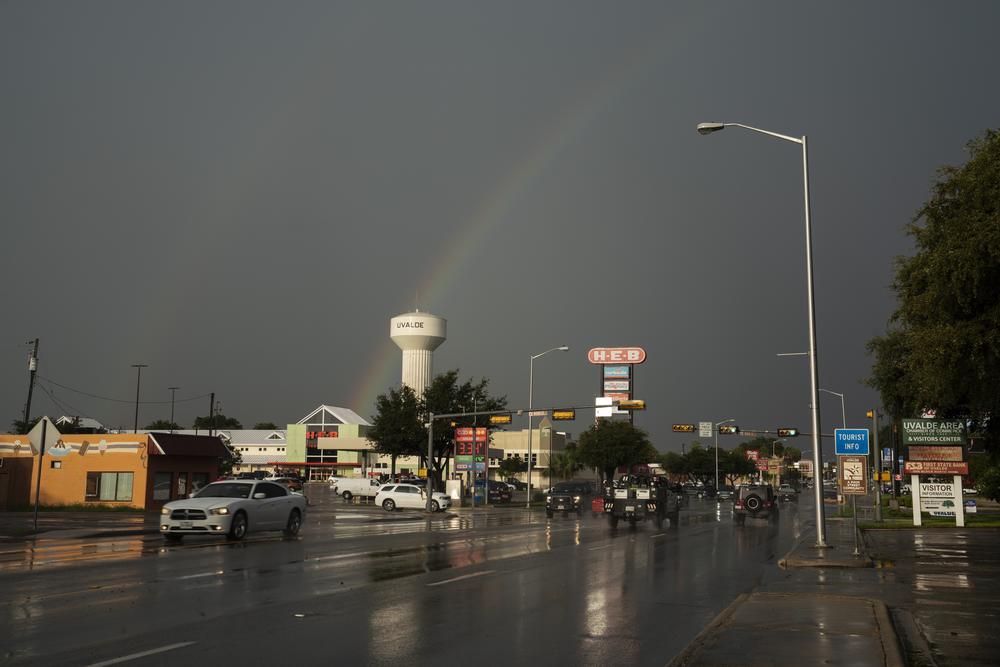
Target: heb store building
(139,470)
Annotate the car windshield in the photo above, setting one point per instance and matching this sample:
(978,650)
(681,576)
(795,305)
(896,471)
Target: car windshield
(225,490)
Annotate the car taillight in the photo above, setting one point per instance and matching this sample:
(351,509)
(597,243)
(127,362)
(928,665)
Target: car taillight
(738,503)
(767,504)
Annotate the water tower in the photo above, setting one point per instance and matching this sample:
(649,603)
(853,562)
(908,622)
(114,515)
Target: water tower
(418,335)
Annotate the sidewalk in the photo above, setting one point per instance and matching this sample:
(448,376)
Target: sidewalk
(796,628)
(839,553)
(816,613)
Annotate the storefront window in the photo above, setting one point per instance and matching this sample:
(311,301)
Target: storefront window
(182,484)
(161,485)
(109,486)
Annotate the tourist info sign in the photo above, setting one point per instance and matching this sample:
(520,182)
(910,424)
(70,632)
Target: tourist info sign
(852,475)
(850,441)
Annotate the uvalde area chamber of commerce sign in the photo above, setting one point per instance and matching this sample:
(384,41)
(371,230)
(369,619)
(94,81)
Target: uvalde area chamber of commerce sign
(933,432)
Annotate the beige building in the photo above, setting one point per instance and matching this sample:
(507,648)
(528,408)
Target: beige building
(545,441)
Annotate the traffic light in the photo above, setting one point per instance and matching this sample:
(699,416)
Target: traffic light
(683,428)
(788,432)
(870,414)
(729,429)
(568,414)
(500,419)
(631,405)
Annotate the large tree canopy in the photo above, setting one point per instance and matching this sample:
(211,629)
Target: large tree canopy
(609,444)
(397,427)
(942,349)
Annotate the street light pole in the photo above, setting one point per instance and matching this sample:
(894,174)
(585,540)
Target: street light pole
(724,421)
(531,385)
(173,392)
(138,379)
(707,128)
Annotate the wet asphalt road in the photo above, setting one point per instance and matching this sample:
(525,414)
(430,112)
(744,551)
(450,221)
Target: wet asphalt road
(484,589)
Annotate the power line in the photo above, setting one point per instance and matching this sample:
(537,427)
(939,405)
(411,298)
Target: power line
(118,400)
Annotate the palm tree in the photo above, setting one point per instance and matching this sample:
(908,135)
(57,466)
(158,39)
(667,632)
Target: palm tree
(564,464)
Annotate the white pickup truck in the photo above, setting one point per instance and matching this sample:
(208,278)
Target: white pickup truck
(348,487)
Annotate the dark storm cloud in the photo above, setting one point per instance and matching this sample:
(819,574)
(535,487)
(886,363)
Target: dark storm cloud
(242,194)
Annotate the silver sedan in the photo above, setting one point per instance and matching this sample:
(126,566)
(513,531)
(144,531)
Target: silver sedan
(234,508)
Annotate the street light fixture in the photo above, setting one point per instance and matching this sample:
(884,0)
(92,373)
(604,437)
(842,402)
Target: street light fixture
(708,128)
(531,385)
(843,411)
(724,421)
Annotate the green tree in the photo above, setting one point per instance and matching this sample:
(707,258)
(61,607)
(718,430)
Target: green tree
(673,463)
(228,464)
(566,463)
(942,347)
(162,425)
(610,444)
(510,467)
(699,464)
(21,427)
(216,422)
(397,427)
(734,464)
(445,395)
(264,426)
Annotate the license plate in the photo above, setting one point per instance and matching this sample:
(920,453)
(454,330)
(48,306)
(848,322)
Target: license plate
(630,508)
(560,507)
(187,524)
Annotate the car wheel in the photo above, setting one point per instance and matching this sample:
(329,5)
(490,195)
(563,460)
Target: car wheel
(753,502)
(388,505)
(675,520)
(658,519)
(739,519)
(294,523)
(548,514)
(612,521)
(435,507)
(172,538)
(347,496)
(238,528)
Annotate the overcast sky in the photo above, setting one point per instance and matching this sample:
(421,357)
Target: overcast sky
(241,194)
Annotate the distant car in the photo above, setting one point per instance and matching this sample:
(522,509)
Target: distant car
(755,501)
(409,496)
(517,484)
(256,474)
(725,493)
(787,492)
(291,483)
(234,508)
(348,487)
(500,492)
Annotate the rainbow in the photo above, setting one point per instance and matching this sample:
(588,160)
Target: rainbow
(570,127)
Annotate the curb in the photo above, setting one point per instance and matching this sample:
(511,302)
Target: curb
(887,635)
(696,644)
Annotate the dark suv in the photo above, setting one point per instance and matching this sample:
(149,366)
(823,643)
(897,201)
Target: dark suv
(755,501)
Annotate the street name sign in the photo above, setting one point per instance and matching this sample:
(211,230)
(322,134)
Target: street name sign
(850,441)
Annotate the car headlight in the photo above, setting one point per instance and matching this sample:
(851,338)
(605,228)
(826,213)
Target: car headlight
(164,510)
(576,499)
(219,510)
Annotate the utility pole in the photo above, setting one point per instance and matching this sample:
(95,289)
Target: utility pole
(32,369)
(173,392)
(211,414)
(878,465)
(138,379)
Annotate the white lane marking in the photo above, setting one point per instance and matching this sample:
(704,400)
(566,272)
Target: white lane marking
(141,654)
(464,576)
(603,546)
